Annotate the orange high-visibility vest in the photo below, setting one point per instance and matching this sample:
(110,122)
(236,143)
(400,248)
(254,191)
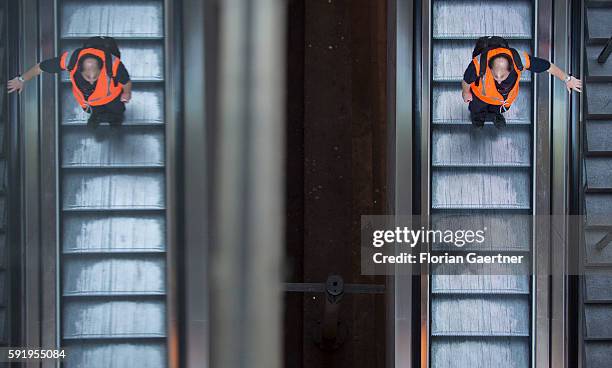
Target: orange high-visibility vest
(106,89)
(486,89)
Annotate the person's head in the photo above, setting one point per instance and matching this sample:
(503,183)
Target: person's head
(501,66)
(90,68)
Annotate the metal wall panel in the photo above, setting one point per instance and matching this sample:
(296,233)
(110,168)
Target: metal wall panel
(459,352)
(113,198)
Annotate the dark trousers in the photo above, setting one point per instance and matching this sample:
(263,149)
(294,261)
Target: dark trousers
(481,111)
(112,113)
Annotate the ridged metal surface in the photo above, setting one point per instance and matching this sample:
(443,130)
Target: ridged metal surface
(480,188)
(598,287)
(133,19)
(599,98)
(113,227)
(448,52)
(598,321)
(596,70)
(466,146)
(598,209)
(599,135)
(448,106)
(146,106)
(468,315)
(503,231)
(599,172)
(119,355)
(472,19)
(135,146)
(595,255)
(480,179)
(480,353)
(598,354)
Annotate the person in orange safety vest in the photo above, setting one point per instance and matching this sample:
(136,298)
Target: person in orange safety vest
(491,81)
(100,82)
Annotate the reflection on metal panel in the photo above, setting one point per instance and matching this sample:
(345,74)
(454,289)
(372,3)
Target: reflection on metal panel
(115,18)
(503,231)
(485,188)
(598,172)
(122,355)
(599,98)
(113,319)
(599,135)
(144,59)
(496,17)
(113,190)
(146,106)
(453,56)
(480,353)
(468,315)
(103,275)
(448,106)
(91,233)
(598,320)
(135,146)
(466,146)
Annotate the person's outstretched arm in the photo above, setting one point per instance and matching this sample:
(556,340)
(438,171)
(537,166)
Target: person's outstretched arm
(571,84)
(16,84)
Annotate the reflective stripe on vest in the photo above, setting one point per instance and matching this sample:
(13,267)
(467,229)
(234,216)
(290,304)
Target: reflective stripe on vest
(488,92)
(105,90)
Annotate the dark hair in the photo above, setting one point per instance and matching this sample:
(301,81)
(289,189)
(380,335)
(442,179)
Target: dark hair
(89,56)
(508,58)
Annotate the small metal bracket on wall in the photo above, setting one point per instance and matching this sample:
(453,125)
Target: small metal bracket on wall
(331,333)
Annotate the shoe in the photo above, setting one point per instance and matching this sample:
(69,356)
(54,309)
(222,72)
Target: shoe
(93,121)
(499,121)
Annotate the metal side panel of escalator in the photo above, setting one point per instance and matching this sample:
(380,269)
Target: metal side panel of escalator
(480,178)
(112,203)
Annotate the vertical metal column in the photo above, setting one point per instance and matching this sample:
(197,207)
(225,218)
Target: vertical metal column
(246,303)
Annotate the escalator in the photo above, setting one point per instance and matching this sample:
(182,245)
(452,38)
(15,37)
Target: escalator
(112,197)
(597,190)
(480,179)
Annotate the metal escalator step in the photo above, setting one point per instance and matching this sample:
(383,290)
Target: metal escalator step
(448,106)
(482,188)
(596,255)
(487,147)
(598,287)
(111,274)
(503,231)
(597,354)
(144,60)
(460,122)
(453,56)
(598,23)
(140,18)
(599,100)
(479,284)
(598,173)
(113,233)
(94,190)
(146,106)
(599,137)
(483,315)
(95,319)
(598,209)
(596,71)
(451,352)
(149,354)
(493,18)
(139,146)
(598,321)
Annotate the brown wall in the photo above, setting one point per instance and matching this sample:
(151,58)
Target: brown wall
(336,146)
